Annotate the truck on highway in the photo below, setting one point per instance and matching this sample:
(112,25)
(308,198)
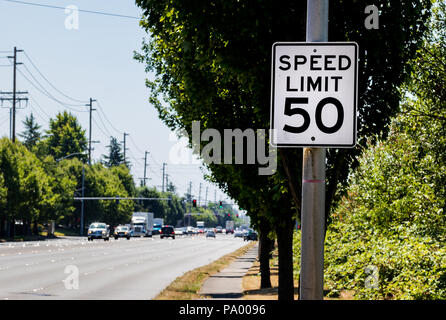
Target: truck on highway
(157,225)
(229,226)
(200,226)
(142,224)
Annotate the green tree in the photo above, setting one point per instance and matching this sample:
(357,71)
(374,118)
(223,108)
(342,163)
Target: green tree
(31,135)
(126,178)
(26,186)
(65,136)
(115,156)
(212,63)
(393,215)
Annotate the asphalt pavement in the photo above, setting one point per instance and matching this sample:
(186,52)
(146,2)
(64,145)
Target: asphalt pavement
(74,268)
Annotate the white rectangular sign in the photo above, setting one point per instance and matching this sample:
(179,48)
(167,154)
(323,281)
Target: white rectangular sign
(314,94)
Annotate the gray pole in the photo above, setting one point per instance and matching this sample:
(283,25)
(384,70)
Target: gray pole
(89,133)
(206,198)
(313,183)
(164,168)
(145,166)
(82,201)
(13,94)
(125,148)
(199,195)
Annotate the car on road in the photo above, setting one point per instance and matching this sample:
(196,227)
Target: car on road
(98,230)
(123,232)
(156,228)
(178,231)
(190,230)
(210,234)
(167,231)
(250,235)
(219,229)
(238,234)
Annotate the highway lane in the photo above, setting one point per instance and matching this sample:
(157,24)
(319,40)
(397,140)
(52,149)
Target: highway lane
(117,269)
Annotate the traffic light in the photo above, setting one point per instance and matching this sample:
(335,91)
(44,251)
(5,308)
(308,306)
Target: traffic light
(229,215)
(236,215)
(221,204)
(194,203)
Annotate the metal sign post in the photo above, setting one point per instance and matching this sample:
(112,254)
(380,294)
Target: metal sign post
(313,184)
(314,106)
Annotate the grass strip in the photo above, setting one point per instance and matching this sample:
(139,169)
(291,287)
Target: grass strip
(187,286)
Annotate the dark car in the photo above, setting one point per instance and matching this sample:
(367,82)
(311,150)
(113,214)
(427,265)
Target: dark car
(210,234)
(167,231)
(250,235)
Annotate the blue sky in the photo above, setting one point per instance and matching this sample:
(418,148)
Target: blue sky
(96,61)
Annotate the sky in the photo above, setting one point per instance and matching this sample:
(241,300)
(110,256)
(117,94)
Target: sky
(92,60)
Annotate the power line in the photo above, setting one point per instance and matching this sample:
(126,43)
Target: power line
(104,126)
(49,95)
(99,127)
(106,118)
(38,105)
(135,145)
(35,67)
(47,92)
(80,10)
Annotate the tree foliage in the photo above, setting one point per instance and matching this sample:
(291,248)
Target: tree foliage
(115,156)
(393,215)
(31,135)
(65,136)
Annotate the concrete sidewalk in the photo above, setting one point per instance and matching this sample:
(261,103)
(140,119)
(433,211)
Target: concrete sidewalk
(227,284)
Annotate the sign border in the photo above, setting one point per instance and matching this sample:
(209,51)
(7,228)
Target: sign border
(355,99)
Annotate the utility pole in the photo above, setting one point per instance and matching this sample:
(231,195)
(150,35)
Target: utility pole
(164,170)
(89,134)
(14,93)
(206,199)
(14,89)
(199,194)
(313,183)
(145,167)
(215,195)
(125,148)
(167,182)
(12,99)
(83,194)
(190,205)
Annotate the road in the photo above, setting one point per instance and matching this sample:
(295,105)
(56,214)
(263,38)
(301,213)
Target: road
(118,269)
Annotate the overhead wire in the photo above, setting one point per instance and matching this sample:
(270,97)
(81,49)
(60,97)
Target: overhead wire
(39,106)
(46,79)
(68,106)
(106,118)
(80,10)
(48,93)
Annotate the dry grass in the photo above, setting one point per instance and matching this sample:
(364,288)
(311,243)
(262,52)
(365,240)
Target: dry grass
(187,286)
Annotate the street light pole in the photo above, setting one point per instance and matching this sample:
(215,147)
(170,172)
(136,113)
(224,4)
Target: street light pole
(82,201)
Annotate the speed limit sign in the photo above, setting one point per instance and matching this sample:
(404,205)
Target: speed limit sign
(314,94)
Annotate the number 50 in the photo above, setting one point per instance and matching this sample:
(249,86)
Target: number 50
(290,111)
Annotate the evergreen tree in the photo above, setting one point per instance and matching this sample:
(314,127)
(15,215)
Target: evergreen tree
(31,135)
(115,156)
